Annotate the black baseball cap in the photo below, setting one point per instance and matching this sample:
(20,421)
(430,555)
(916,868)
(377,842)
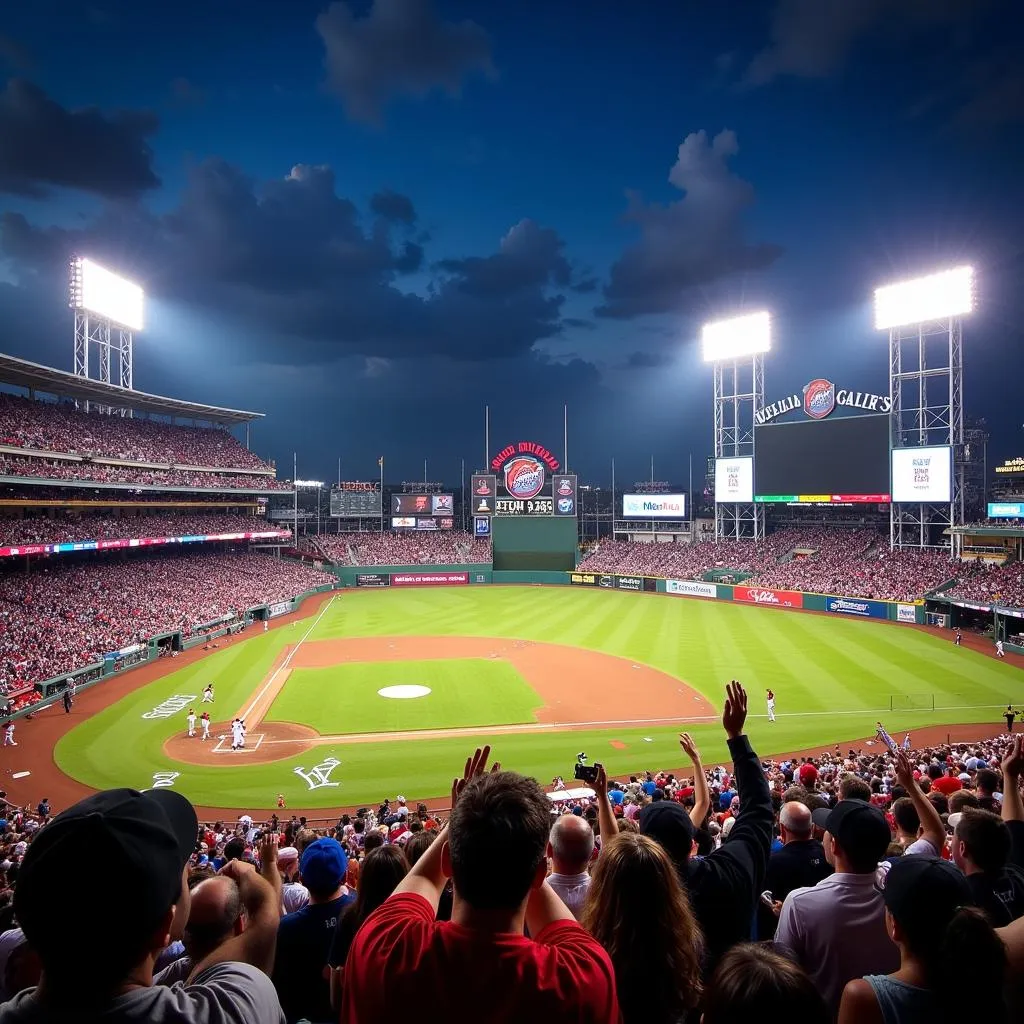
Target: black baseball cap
(860,829)
(668,824)
(139,842)
(923,893)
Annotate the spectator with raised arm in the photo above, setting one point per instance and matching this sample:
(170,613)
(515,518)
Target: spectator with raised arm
(480,966)
(724,886)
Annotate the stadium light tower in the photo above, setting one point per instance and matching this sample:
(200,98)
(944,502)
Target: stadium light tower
(924,318)
(736,349)
(108,310)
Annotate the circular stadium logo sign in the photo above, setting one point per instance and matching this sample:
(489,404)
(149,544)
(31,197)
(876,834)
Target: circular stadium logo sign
(524,467)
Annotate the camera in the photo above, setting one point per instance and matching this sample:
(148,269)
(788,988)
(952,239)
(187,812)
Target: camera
(585,774)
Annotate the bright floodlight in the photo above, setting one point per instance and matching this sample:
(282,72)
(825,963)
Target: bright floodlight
(99,291)
(936,297)
(736,338)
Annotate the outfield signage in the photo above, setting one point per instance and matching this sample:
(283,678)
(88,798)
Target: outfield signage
(996,510)
(691,588)
(428,579)
(636,584)
(373,579)
(629,583)
(654,506)
(906,613)
(522,469)
(857,606)
(279,608)
(764,595)
(819,398)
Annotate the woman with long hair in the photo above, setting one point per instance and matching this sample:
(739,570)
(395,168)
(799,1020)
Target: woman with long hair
(638,910)
(381,871)
(928,914)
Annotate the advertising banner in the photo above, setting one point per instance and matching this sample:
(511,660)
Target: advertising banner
(635,583)
(857,606)
(775,598)
(428,579)
(690,588)
(279,608)
(922,474)
(906,613)
(372,579)
(654,506)
(483,488)
(590,579)
(1006,509)
(734,479)
(564,493)
(482,526)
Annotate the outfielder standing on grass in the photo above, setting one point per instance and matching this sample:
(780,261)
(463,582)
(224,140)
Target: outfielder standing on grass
(770,694)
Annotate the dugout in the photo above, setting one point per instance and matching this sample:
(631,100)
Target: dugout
(534,544)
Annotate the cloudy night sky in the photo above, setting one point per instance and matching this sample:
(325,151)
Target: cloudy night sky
(370,219)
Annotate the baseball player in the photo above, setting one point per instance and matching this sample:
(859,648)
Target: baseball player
(204,721)
(770,695)
(958,638)
(191,722)
(208,694)
(237,737)
(241,727)
(9,740)
(1000,653)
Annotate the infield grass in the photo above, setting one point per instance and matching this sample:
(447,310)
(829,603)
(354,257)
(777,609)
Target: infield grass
(463,692)
(833,678)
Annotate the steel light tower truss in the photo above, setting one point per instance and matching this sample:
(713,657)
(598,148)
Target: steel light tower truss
(112,344)
(739,393)
(926,385)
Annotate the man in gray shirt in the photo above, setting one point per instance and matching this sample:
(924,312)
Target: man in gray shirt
(98,945)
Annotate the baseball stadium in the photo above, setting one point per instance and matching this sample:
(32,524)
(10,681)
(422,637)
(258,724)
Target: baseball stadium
(176,614)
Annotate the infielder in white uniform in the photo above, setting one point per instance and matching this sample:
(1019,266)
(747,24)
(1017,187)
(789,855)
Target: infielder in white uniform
(771,705)
(208,694)
(9,740)
(204,721)
(191,721)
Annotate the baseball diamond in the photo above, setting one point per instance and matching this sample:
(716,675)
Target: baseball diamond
(539,673)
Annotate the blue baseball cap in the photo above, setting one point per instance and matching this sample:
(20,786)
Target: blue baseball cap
(323,865)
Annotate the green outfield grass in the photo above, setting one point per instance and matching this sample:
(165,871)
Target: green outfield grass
(833,678)
(463,692)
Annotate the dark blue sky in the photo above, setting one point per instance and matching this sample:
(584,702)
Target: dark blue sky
(369,220)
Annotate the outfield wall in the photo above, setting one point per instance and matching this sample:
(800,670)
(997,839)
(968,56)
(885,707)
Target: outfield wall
(911,612)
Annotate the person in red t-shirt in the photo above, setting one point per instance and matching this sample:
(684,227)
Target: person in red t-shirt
(948,783)
(480,966)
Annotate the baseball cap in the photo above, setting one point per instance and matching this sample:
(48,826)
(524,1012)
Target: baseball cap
(808,773)
(323,866)
(668,824)
(287,854)
(143,840)
(860,829)
(923,893)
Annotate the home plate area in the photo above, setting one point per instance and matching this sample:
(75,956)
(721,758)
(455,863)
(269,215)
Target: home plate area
(252,742)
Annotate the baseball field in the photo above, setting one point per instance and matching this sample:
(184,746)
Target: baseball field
(373,693)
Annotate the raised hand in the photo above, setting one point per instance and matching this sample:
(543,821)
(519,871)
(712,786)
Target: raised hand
(1013,760)
(904,770)
(689,747)
(734,714)
(475,766)
(601,780)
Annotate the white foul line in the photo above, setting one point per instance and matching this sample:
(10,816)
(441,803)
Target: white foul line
(291,654)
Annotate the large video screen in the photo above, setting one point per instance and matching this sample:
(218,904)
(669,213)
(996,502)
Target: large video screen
(422,504)
(845,459)
(734,479)
(922,474)
(654,506)
(347,504)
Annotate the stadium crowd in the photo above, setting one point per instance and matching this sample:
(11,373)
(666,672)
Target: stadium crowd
(855,563)
(992,584)
(62,617)
(880,884)
(440,547)
(49,427)
(46,469)
(44,529)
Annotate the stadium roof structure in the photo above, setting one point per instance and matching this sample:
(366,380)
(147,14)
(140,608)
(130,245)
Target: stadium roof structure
(35,377)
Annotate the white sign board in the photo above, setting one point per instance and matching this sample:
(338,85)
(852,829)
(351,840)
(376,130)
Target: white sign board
(734,479)
(654,506)
(922,474)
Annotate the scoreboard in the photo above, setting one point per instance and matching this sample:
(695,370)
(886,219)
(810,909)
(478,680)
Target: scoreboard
(539,506)
(351,504)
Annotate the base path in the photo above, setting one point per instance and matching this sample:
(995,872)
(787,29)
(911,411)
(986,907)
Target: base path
(580,688)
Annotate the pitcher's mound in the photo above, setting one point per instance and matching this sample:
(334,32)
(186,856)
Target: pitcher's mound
(406,692)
